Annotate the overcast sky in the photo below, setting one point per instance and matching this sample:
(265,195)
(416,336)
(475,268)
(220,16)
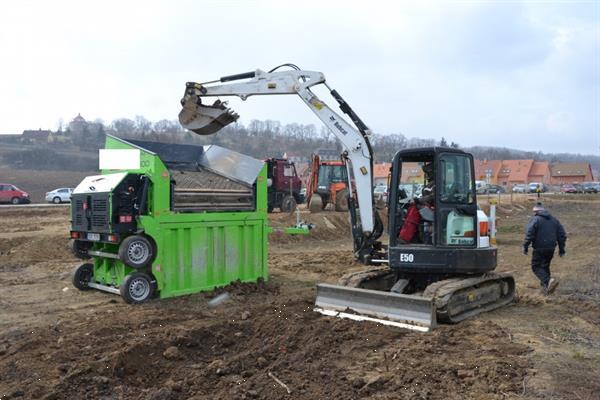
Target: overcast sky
(522,75)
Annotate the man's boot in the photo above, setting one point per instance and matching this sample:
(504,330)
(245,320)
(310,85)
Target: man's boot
(552,284)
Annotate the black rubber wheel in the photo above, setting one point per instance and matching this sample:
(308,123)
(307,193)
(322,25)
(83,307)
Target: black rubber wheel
(136,251)
(80,249)
(56,200)
(15,200)
(316,203)
(137,288)
(82,275)
(288,204)
(341,200)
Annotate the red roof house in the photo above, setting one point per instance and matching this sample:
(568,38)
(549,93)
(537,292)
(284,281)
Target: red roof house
(412,172)
(514,171)
(540,172)
(571,173)
(380,173)
(487,170)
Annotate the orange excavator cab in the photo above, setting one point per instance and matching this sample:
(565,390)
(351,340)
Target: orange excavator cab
(328,184)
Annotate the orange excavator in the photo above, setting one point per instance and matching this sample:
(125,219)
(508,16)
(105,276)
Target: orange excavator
(327,184)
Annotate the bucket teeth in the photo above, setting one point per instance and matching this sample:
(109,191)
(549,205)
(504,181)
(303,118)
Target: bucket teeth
(203,119)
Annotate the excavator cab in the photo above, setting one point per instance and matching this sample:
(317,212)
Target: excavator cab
(436,229)
(439,258)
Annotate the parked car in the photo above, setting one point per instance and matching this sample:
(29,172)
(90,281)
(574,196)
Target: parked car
(411,190)
(568,188)
(579,187)
(480,185)
(60,195)
(12,194)
(495,189)
(533,186)
(481,189)
(380,193)
(591,187)
(519,188)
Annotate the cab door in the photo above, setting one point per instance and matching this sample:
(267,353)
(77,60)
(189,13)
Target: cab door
(456,205)
(286,174)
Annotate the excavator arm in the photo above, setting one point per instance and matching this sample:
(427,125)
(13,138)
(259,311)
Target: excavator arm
(207,119)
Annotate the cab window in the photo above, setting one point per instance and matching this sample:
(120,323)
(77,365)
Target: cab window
(288,171)
(455,180)
(331,174)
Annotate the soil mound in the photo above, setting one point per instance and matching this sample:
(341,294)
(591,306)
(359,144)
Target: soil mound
(328,226)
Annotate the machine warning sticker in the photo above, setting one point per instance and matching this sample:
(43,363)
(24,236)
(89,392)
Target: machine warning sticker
(316,103)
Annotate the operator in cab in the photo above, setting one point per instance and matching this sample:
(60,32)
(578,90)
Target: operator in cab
(420,210)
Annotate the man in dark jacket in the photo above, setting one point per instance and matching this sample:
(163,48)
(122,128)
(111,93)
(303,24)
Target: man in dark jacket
(544,232)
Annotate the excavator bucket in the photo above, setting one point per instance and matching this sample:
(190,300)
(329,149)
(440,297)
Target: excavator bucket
(386,308)
(203,119)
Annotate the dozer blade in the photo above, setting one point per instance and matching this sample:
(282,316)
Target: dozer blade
(203,119)
(386,308)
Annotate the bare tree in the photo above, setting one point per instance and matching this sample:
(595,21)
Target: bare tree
(123,126)
(167,126)
(326,134)
(60,124)
(142,125)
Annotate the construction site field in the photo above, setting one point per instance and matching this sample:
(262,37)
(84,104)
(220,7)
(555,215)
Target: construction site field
(265,342)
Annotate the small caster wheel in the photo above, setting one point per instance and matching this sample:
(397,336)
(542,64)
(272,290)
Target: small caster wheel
(80,249)
(82,275)
(137,288)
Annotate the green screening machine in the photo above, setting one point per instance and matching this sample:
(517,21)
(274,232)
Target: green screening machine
(168,219)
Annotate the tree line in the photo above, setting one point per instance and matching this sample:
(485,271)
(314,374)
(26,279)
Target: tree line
(271,138)
(260,139)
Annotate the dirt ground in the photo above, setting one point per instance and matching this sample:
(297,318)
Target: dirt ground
(59,343)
